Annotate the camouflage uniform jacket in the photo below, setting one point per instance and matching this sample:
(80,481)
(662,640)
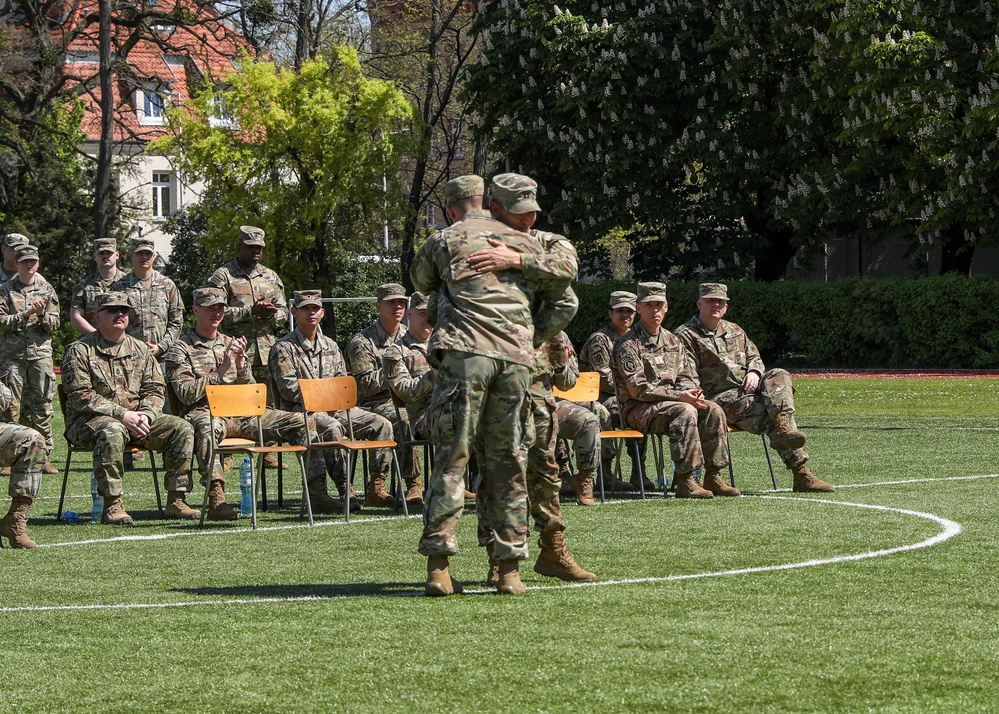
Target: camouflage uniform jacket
(411,378)
(191,364)
(109,378)
(157,309)
(294,356)
(596,357)
(650,368)
(490,314)
(23,336)
(5,276)
(86,291)
(721,358)
(545,375)
(364,355)
(242,290)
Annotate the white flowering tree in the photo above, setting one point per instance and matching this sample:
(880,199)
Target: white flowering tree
(720,135)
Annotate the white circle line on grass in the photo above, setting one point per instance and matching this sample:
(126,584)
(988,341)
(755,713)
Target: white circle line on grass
(949,529)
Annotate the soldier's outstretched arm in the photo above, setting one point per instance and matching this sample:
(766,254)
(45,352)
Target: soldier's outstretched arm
(553,310)
(557,265)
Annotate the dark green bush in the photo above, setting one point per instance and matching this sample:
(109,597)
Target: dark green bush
(916,323)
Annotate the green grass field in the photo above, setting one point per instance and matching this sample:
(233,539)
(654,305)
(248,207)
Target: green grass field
(692,611)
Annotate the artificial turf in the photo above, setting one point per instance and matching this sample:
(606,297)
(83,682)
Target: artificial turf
(329,618)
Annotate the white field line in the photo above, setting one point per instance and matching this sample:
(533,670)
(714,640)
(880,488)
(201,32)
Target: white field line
(949,529)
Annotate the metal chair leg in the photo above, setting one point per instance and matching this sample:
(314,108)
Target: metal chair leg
(770,463)
(731,471)
(306,498)
(156,483)
(65,479)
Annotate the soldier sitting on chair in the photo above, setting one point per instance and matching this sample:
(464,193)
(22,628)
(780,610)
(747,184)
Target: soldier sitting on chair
(731,373)
(205,356)
(114,394)
(23,449)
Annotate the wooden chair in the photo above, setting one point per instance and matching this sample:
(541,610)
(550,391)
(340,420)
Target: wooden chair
(732,429)
(71,448)
(247,400)
(587,391)
(333,394)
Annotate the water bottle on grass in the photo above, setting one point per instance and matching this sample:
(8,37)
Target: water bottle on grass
(98,505)
(245,485)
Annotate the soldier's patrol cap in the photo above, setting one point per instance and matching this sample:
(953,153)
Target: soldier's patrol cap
(14,239)
(251,235)
(391,291)
(417,301)
(25,251)
(112,299)
(307,297)
(516,193)
(206,297)
(102,244)
(138,244)
(717,291)
(651,292)
(622,298)
(458,189)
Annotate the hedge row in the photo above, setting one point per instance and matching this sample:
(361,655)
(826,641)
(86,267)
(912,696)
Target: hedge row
(918,323)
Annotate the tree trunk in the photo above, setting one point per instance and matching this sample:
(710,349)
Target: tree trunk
(956,252)
(102,179)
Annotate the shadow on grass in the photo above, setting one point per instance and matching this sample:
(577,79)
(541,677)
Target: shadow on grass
(309,590)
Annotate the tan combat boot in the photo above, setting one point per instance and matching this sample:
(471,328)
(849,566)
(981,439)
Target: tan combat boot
(492,579)
(555,561)
(439,580)
(341,487)
(271,461)
(806,481)
(49,468)
(14,526)
(376,495)
(716,484)
(785,433)
(218,509)
(687,487)
(509,578)
(178,509)
(414,492)
(582,484)
(611,482)
(320,497)
(114,513)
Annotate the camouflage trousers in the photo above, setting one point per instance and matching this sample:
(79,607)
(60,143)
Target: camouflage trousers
(755,412)
(278,427)
(367,426)
(610,418)
(23,449)
(476,396)
(582,427)
(543,482)
(411,458)
(108,437)
(698,438)
(32,384)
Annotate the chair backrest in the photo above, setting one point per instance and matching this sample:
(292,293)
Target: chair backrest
(331,394)
(173,401)
(587,389)
(61,391)
(237,400)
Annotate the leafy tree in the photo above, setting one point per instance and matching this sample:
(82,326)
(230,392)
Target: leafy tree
(305,160)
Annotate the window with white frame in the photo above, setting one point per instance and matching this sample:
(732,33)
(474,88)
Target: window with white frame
(151,106)
(161,203)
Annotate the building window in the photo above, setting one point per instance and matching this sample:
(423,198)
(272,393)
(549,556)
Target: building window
(161,195)
(151,106)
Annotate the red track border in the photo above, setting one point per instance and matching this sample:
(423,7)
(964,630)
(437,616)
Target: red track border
(896,374)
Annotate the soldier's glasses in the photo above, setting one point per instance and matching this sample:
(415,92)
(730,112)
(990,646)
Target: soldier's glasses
(116,310)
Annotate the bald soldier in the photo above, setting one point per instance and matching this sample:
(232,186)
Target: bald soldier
(731,373)
(29,314)
(658,395)
(114,397)
(484,342)
(23,450)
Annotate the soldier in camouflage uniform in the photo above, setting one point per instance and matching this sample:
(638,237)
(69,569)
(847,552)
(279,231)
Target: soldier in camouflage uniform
(8,269)
(364,359)
(157,308)
(407,372)
(582,427)
(657,391)
(484,343)
(29,314)
(114,394)
(204,356)
(23,450)
(731,373)
(596,357)
(307,353)
(83,308)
